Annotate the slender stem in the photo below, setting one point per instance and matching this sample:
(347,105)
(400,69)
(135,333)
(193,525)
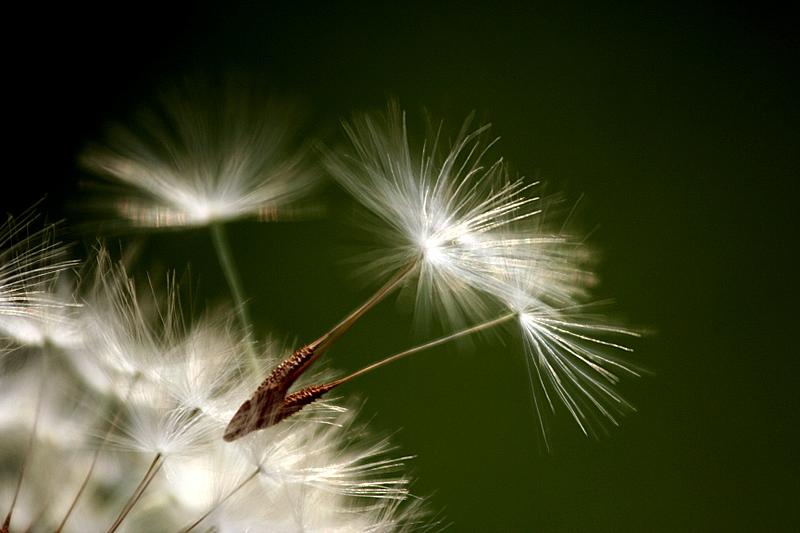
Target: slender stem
(81,489)
(36,518)
(28,452)
(151,472)
(223,249)
(220,502)
(296,401)
(97,452)
(347,322)
(430,344)
(305,356)
(270,398)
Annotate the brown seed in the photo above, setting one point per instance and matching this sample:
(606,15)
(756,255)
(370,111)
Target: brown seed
(263,408)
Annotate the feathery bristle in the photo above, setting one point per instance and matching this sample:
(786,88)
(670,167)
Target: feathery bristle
(157,418)
(204,152)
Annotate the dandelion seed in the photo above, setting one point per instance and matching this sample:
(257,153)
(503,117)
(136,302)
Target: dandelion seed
(442,220)
(204,153)
(568,360)
(269,403)
(205,369)
(571,359)
(167,391)
(125,341)
(469,243)
(441,208)
(31,312)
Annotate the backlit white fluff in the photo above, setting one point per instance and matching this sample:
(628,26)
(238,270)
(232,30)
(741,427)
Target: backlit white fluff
(448,209)
(203,153)
(480,241)
(574,357)
(31,312)
(159,416)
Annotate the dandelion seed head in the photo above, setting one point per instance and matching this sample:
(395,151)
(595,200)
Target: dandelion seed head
(159,393)
(432,251)
(574,357)
(128,332)
(448,209)
(31,311)
(157,427)
(55,322)
(204,371)
(204,152)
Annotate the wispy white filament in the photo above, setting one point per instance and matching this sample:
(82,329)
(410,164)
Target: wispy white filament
(204,153)
(449,208)
(482,242)
(157,393)
(31,310)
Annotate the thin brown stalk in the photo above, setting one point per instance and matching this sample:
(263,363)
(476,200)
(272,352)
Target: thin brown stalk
(151,472)
(28,452)
(222,501)
(296,401)
(263,407)
(36,519)
(430,344)
(347,322)
(100,448)
(224,253)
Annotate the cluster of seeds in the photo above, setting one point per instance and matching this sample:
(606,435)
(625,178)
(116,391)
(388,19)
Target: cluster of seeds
(120,414)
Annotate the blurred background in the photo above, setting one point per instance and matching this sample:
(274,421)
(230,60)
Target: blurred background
(677,124)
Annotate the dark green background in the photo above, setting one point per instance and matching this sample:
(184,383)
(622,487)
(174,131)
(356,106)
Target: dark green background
(679,123)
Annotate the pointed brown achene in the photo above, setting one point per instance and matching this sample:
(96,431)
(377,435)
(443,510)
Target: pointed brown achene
(268,404)
(291,404)
(296,401)
(263,407)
